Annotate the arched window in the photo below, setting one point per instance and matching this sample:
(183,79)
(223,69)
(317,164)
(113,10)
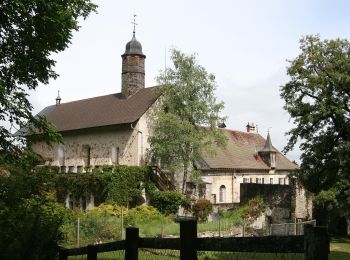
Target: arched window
(60,155)
(222,193)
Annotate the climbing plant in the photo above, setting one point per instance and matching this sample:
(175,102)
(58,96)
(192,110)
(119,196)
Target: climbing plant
(118,184)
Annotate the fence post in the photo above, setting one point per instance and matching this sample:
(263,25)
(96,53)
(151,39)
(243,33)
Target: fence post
(132,243)
(62,254)
(316,243)
(188,239)
(91,252)
(78,232)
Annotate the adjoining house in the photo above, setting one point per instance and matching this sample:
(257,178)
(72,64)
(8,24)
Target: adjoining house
(249,158)
(114,129)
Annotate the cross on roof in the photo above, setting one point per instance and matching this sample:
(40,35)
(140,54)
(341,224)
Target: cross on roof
(134,23)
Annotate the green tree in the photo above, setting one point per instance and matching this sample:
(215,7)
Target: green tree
(30,219)
(201,209)
(30,32)
(125,184)
(167,202)
(317,98)
(187,116)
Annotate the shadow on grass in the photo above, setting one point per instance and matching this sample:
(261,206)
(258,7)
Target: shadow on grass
(340,240)
(339,256)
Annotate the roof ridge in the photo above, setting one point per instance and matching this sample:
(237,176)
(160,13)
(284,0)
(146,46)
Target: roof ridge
(243,132)
(90,98)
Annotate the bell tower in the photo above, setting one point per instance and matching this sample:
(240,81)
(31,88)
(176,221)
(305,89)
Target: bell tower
(133,67)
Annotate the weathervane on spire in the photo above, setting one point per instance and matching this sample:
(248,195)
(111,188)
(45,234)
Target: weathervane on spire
(134,23)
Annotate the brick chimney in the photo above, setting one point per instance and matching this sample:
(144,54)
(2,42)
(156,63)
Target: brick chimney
(250,128)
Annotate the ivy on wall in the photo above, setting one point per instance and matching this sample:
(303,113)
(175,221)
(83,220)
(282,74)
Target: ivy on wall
(118,184)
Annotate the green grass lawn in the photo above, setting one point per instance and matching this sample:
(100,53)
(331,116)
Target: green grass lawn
(340,250)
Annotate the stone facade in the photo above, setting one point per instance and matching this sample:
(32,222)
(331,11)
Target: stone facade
(232,182)
(133,74)
(90,148)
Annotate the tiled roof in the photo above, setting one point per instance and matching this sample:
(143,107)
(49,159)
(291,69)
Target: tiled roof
(241,152)
(106,110)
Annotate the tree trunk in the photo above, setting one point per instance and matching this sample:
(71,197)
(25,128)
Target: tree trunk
(184,186)
(347,217)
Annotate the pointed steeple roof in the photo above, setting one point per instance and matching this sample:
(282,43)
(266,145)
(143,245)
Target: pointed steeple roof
(268,144)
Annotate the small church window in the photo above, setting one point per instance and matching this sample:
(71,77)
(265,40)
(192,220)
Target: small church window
(222,193)
(115,155)
(86,154)
(271,180)
(60,155)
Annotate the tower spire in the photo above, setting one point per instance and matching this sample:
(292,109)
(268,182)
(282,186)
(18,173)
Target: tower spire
(134,23)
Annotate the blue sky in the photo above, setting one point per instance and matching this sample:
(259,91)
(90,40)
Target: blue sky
(244,43)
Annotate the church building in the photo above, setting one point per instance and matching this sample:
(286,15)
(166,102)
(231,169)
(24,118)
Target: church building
(110,129)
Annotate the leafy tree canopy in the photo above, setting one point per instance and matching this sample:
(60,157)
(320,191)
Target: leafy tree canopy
(317,99)
(186,121)
(30,32)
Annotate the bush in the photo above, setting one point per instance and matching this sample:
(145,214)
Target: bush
(107,210)
(30,219)
(141,214)
(248,213)
(167,202)
(201,209)
(97,225)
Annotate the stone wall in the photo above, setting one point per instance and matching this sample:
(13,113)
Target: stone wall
(303,202)
(133,74)
(100,141)
(285,203)
(233,180)
(277,197)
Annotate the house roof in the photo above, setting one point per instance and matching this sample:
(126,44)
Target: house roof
(241,152)
(106,110)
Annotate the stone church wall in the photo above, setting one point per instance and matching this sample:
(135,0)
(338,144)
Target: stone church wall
(100,142)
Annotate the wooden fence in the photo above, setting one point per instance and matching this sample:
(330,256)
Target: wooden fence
(314,244)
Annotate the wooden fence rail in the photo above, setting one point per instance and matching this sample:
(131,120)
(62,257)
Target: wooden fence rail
(314,244)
